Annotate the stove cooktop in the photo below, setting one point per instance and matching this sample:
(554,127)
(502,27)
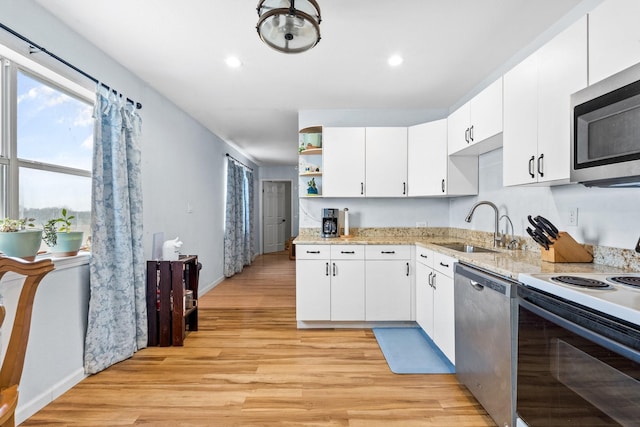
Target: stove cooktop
(615,294)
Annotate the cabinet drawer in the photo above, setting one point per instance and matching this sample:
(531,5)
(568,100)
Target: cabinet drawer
(424,256)
(347,252)
(312,251)
(382,252)
(443,264)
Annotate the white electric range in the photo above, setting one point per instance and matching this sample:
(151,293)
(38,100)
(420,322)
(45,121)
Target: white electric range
(615,294)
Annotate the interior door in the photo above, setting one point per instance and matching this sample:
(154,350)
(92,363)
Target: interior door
(274,216)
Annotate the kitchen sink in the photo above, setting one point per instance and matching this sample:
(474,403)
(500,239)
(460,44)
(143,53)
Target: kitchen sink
(463,247)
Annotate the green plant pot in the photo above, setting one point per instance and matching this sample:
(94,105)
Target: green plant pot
(68,243)
(22,244)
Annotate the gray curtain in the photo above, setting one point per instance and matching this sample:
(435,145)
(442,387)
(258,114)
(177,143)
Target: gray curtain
(117,323)
(238,230)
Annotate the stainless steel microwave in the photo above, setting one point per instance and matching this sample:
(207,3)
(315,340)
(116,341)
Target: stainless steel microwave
(605,132)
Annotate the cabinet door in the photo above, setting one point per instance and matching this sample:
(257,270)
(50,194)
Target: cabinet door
(562,70)
(458,129)
(444,331)
(613,38)
(347,290)
(520,136)
(388,290)
(486,113)
(427,158)
(313,289)
(386,162)
(424,298)
(343,159)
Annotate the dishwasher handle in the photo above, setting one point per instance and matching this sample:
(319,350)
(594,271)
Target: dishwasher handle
(486,279)
(475,285)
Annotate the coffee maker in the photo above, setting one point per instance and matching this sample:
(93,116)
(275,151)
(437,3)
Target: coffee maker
(330,223)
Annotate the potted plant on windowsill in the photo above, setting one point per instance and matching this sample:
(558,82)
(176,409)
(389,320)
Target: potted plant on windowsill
(19,239)
(60,238)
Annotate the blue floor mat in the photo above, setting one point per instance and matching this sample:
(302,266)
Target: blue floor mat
(411,351)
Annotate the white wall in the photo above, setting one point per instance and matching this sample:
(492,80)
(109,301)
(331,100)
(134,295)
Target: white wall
(183,163)
(606,217)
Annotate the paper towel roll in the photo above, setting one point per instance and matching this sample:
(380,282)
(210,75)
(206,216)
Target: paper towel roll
(346,221)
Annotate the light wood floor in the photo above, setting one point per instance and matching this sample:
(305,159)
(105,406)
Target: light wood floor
(249,365)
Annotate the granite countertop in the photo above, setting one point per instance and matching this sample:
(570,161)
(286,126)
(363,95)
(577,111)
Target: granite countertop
(507,263)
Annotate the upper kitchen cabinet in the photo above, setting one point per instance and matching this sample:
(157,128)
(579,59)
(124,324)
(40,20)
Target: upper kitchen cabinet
(536,137)
(614,38)
(472,126)
(431,172)
(386,162)
(344,162)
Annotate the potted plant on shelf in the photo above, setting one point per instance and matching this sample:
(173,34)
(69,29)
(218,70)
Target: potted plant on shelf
(60,238)
(19,239)
(312,189)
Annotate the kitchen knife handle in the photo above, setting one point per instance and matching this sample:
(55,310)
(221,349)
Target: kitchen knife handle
(541,164)
(531,160)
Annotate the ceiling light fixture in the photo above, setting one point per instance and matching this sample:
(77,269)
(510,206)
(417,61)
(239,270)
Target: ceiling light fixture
(233,62)
(395,60)
(287,28)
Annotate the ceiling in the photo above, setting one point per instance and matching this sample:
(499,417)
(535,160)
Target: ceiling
(179,48)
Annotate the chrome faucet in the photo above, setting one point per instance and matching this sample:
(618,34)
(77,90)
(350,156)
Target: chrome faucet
(496,234)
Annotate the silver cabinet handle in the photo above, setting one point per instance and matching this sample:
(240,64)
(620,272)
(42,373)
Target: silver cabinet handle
(430,280)
(471,133)
(443,185)
(433,281)
(466,135)
(326,269)
(334,269)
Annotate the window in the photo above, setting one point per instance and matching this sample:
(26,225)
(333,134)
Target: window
(47,139)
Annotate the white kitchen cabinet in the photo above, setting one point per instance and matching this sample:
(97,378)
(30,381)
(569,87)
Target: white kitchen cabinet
(431,171)
(347,282)
(386,162)
(476,122)
(614,38)
(444,331)
(388,293)
(424,291)
(343,159)
(536,137)
(313,282)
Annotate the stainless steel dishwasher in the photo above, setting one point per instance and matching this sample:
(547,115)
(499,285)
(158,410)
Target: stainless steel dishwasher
(486,339)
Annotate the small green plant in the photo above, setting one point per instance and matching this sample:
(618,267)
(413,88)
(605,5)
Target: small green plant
(13,225)
(53,226)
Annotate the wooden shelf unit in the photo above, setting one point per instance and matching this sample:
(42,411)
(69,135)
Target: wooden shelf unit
(167,281)
(311,151)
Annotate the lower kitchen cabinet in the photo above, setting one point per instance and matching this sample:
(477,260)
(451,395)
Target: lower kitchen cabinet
(347,282)
(388,285)
(435,299)
(354,283)
(313,282)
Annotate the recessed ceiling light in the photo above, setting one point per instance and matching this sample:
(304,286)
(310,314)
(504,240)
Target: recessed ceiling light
(395,60)
(233,62)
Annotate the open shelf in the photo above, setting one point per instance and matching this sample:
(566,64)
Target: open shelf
(311,174)
(311,151)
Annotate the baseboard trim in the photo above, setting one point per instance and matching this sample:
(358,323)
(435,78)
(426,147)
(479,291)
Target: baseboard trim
(27,409)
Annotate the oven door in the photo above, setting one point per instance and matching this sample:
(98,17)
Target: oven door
(575,367)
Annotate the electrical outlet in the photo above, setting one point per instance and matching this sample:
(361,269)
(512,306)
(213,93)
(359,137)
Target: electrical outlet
(189,208)
(572,217)
(421,224)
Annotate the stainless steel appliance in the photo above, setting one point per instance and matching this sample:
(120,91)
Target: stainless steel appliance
(605,133)
(485,322)
(578,350)
(330,220)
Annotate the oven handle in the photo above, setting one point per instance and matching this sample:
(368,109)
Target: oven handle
(605,342)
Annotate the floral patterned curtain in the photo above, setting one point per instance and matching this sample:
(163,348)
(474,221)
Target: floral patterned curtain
(117,323)
(238,230)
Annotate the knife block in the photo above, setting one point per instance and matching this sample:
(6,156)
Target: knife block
(566,249)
